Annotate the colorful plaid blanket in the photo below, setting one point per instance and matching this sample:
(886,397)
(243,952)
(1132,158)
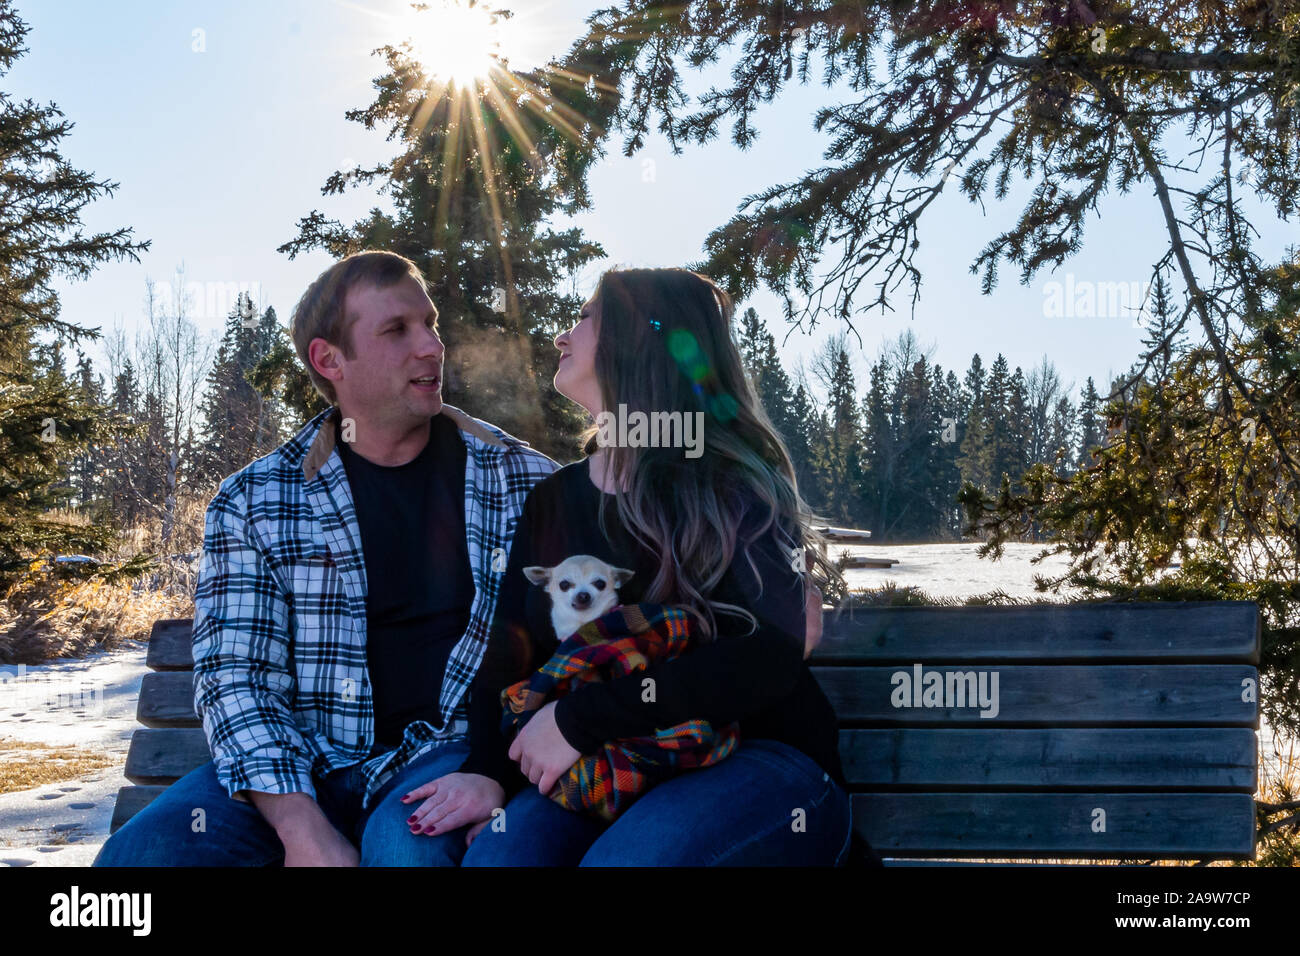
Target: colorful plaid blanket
(625,640)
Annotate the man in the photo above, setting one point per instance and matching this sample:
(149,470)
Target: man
(344,601)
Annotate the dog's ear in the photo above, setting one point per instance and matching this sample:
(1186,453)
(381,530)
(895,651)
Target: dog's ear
(538,575)
(622,576)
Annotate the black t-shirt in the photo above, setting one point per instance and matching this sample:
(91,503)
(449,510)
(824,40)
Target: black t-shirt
(419,585)
(759,679)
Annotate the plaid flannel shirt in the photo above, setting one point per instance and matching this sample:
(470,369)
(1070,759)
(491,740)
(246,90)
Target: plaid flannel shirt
(280,676)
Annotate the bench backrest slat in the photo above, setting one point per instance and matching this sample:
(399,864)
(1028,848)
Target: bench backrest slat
(1058,695)
(1058,825)
(1093,758)
(1208,631)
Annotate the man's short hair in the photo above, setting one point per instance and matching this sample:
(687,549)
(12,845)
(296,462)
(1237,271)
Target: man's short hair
(320,312)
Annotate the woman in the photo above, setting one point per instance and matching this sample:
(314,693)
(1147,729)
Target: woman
(716,528)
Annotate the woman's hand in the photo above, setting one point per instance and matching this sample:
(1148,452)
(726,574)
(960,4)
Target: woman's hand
(541,750)
(812,619)
(454,800)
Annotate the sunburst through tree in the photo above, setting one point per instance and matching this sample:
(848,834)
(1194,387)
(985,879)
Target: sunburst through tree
(489,155)
(490,114)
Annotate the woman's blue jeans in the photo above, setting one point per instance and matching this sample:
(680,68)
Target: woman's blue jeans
(168,832)
(766,804)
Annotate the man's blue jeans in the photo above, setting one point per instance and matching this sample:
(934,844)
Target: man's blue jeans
(233,833)
(766,804)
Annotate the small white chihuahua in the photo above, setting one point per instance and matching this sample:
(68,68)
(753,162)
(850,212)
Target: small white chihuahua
(582,588)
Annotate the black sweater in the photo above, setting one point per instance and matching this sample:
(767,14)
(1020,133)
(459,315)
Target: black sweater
(759,679)
(419,585)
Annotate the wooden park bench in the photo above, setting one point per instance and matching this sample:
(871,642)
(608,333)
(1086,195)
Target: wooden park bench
(1121,731)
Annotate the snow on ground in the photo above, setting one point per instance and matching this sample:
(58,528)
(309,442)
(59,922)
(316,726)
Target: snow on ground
(89,703)
(92,702)
(954,570)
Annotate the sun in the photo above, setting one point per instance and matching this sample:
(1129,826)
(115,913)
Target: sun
(455,41)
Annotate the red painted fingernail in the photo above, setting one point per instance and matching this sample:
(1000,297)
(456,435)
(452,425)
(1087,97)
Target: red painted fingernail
(411,818)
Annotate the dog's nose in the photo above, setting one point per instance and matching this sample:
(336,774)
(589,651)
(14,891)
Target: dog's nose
(582,600)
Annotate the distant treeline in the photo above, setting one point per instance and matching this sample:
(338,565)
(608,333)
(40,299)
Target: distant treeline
(892,459)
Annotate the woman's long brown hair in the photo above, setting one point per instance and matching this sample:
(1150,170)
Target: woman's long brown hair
(664,344)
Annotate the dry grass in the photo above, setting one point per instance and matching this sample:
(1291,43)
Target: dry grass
(24,765)
(1281,847)
(45,617)
(187,533)
(49,613)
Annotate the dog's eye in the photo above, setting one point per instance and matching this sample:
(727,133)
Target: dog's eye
(600,584)
(565,585)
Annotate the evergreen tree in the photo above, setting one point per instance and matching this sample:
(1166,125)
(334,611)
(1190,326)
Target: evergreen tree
(1019,425)
(1165,337)
(1090,423)
(758,352)
(920,515)
(126,391)
(280,378)
(1071,96)
(973,458)
(879,453)
(751,344)
(1061,434)
(87,467)
(239,424)
(802,418)
(45,420)
(976,458)
(821,463)
(973,385)
(1199,483)
(997,401)
(483,169)
(952,424)
(839,462)
(124,460)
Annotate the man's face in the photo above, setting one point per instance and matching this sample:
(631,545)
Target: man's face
(395,342)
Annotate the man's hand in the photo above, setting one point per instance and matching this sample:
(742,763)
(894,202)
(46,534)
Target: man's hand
(455,800)
(812,619)
(309,838)
(321,846)
(474,831)
(543,753)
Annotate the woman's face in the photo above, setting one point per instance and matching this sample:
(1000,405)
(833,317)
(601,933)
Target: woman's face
(575,378)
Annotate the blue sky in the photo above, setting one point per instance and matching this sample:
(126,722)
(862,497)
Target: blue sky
(219,151)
